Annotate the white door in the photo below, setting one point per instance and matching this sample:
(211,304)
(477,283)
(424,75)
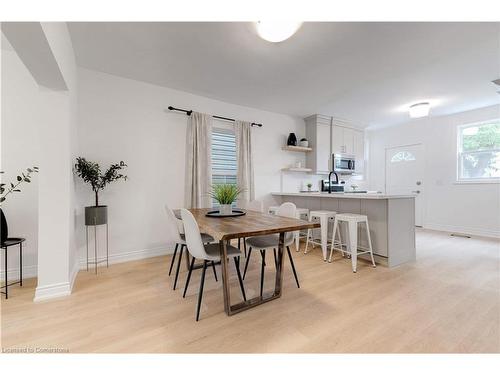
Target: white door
(404,168)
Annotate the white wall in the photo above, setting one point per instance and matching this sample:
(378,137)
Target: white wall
(465,208)
(39,127)
(20,103)
(123,119)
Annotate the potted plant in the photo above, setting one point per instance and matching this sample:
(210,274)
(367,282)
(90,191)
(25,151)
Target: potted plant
(90,173)
(309,186)
(225,195)
(5,190)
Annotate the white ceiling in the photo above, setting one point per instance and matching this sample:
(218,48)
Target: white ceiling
(365,72)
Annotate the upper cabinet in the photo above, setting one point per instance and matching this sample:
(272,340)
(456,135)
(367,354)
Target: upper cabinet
(329,136)
(318,134)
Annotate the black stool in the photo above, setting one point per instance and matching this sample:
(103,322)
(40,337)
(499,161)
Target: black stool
(5,245)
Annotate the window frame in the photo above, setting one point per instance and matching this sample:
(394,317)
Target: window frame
(222,127)
(459,153)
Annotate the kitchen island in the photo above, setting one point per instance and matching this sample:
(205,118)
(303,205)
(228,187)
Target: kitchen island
(391,219)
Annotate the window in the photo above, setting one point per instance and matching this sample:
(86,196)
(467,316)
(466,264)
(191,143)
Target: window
(479,151)
(403,156)
(224,164)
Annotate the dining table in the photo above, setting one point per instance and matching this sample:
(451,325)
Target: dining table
(253,223)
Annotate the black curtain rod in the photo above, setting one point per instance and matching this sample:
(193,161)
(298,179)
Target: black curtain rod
(218,117)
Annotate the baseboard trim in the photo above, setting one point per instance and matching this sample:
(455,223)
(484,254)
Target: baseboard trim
(43,293)
(463,230)
(130,256)
(13,273)
(74,273)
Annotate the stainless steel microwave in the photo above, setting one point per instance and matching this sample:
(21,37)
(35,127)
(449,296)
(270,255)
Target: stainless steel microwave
(342,163)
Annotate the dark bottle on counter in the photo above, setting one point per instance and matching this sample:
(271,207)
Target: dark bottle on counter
(292,140)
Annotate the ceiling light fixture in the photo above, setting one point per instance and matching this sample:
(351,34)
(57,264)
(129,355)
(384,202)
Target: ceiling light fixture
(419,110)
(277,31)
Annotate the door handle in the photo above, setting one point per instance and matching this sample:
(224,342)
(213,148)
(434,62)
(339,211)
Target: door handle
(416,191)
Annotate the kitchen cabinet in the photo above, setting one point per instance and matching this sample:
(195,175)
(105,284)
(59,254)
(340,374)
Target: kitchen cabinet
(347,140)
(337,140)
(359,151)
(329,136)
(318,133)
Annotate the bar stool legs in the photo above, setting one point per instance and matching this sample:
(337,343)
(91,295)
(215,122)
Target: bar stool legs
(352,221)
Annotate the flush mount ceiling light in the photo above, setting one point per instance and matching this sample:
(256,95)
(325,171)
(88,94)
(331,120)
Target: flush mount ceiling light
(277,31)
(419,110)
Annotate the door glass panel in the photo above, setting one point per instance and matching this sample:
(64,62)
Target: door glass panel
(402,156)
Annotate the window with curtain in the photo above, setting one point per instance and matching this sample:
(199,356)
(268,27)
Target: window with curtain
(224,165)
(479,151)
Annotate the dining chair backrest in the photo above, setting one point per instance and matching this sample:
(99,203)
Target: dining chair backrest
(255,206)
(174,222)
(287,209)
(193,236)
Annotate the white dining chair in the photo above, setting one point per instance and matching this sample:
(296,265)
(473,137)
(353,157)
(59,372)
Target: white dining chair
(271,241)
(207,252)
(254,205)
(179,239)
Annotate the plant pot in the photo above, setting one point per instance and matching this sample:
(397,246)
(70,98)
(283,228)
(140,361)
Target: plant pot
(292,140)
(304,143)
(225,209)
(96,215)
(4,229)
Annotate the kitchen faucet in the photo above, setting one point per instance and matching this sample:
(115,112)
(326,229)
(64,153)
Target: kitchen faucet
(330,181)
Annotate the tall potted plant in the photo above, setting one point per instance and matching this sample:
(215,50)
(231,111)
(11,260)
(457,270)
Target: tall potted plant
(12,187)
(90,173)
(225,195)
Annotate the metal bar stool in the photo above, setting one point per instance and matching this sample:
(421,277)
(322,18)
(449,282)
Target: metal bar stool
(299,214)
(354,250)
(5,245)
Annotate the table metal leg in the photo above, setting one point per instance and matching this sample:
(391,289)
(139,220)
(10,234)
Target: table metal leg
(281,263)
(265,297)
(225,278)
(21,264)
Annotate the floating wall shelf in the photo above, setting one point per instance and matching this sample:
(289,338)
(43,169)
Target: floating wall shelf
(306,170)
(296,148)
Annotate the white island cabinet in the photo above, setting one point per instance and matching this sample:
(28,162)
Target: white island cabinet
(391,219)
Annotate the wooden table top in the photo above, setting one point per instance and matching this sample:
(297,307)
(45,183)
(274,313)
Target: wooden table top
(252,224)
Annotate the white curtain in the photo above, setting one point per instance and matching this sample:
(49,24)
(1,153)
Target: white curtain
(198,161)
(245,179)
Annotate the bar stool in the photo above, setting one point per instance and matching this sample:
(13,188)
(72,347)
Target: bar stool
(352,221)
(323,216)
(300,212)
(272,210)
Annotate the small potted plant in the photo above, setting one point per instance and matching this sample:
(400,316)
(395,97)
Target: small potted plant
(90,173)
(225,195)
(309,186)
(5,190)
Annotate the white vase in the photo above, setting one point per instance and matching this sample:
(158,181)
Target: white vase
(225,209)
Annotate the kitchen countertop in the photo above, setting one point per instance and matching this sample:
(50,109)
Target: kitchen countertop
(346,195)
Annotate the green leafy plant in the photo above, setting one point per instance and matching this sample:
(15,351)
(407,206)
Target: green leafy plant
(90,172)
(24,177)
(309,186)
(225,193)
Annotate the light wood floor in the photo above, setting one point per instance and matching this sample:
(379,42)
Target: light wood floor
(447,301)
